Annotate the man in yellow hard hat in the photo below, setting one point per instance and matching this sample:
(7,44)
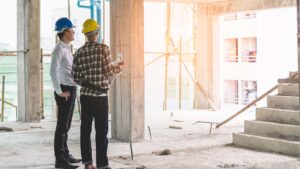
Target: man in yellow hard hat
(92,68)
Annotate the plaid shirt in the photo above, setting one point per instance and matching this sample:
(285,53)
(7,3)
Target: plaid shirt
(93,64)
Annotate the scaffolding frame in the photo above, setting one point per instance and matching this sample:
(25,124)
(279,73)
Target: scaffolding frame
(170,50)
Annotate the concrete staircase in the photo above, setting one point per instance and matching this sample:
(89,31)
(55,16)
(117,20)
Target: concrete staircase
(277,127)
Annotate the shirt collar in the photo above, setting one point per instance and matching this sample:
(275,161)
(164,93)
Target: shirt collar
(64,44)
(90,42)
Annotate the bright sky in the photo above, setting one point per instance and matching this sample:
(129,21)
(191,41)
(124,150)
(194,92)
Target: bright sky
(8,18)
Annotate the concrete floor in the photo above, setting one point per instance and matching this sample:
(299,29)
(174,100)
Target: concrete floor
(30,145)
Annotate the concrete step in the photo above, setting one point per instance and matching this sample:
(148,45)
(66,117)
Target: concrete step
(278,115)
(288,89)
(274,130)
(266,144)
(293,74)
(283,102)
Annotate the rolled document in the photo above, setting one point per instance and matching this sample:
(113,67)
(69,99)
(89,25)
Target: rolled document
(119,59)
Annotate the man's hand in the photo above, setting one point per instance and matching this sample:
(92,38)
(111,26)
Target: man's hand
(121,64)
(65,94)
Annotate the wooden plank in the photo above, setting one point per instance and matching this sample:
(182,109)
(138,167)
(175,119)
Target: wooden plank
(15,106)
(247,106)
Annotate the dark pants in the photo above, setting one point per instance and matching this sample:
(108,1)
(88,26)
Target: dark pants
(94,108)
(64,119)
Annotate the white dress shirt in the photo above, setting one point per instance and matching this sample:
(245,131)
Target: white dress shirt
(61,66)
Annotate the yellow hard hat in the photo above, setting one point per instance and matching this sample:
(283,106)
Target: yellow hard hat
(90,25)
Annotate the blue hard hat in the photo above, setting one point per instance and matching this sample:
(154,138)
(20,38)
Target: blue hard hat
(62,24)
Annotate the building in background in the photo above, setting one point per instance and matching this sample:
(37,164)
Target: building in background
(256,52)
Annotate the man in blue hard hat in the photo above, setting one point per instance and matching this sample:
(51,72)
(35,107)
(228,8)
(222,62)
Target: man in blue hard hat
(65,92)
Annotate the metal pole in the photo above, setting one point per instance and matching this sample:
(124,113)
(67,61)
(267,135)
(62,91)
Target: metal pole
(298,43)
(42,86)
(78,104)
(2,100)
(131,151)
(194,45)
(180,74)
(210,128)
(97,3)
(167,54)
(92,8)
(150,133)
(103,23)
(16,113)
(69,10)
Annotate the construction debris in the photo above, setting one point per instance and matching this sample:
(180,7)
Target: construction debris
(36,127)
(228,166)
(179,120)
(10,154)
(6,129)
(175,127)
(163,152)
(124,157)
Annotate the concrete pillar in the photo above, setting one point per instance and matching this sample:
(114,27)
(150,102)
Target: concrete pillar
(207,62)
(127,92)
(29,71)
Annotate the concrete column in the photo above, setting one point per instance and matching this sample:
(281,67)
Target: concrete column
(207,68)
(29,71)
(127,92)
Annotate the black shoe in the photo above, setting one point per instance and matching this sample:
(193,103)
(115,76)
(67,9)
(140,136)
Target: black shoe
(65,165)
(71,159)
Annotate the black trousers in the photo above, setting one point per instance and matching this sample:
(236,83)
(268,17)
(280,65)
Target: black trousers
(64,119)
(94,108)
